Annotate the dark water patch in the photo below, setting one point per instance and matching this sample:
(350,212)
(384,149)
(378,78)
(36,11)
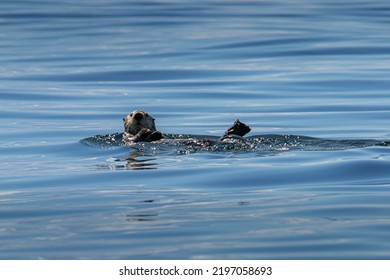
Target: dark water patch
(346,52)
(337,51)
(375,84)
(141,217)
(139,75)
(29,213)
(46,97)
(273,42)
(82,59)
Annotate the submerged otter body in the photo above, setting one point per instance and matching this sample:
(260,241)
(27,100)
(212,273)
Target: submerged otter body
(140,126)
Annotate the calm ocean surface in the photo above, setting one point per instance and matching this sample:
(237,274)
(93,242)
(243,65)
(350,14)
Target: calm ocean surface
(310,77)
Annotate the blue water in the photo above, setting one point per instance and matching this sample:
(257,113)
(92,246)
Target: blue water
(311,78)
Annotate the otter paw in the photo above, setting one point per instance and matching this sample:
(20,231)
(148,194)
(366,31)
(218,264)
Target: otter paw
(155,136)
(147,135)
(238,128)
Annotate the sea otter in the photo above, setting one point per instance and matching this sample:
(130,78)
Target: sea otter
(140,126)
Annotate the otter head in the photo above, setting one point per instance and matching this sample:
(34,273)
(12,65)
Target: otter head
(137,120)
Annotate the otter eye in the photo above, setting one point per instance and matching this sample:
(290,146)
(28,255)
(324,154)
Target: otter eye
(131,114)
(146,115)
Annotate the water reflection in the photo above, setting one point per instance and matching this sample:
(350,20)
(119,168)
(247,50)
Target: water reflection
(141,217)
(135,163)
(137,160)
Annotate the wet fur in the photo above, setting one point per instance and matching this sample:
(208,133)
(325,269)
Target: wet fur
(140,126)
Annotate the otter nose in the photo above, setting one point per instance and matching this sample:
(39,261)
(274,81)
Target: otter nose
(138,116)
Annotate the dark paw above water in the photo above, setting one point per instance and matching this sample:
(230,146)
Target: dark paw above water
(144,135)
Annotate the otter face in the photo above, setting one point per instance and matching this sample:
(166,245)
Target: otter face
(137,120)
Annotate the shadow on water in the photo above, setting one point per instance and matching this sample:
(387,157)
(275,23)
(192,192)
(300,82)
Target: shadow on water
(142,154)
